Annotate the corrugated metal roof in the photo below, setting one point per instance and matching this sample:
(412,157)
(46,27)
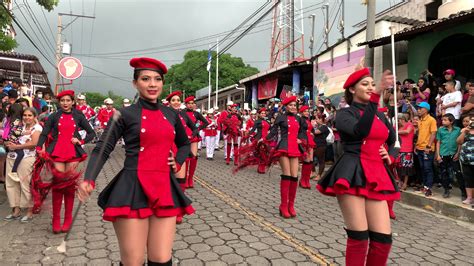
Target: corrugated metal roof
(410,32)
(11,68)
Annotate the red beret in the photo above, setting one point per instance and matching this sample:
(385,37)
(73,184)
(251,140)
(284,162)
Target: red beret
(189,99)
(263,109)
(382,109)
(303,108)
(64,93)
(289,100)
(235,105)
(148,64)
(355,77)
(174,93)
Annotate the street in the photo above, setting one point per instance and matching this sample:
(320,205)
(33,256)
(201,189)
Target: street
(237,222)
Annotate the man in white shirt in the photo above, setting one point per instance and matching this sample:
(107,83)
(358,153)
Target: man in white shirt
(452,101)
(449,75)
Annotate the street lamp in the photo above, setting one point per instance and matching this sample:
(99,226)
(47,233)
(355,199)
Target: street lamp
(241,88)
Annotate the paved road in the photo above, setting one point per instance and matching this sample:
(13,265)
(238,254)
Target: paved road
(237,222)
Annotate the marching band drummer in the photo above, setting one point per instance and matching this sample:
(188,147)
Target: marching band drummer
(144,198)
(210,133)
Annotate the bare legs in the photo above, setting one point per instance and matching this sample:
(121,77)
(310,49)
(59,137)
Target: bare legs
(154,235)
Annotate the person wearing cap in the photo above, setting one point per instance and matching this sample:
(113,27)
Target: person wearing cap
(106,113)
(38,102)
(360,178)
(425,146)
(250,123)
(307,164)
(222,116)
(232,126)
(449,74)
(210,133)
(144,198)
(260,131)
(292,133)
(174,100)
(63,154)
(83,107)
(126,102)
(200,122)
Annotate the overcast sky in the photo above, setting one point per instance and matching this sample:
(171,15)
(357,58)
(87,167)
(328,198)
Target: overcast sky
(124,25)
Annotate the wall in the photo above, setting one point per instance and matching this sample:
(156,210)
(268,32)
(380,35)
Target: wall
(420,48)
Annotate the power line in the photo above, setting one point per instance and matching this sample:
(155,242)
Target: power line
(38,24)
(27,36)
(49,26)
(106,74)
(213,37)
(332,24)
(34,31)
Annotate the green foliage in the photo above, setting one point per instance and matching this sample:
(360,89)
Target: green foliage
(192,75)
(97,99)
(7,43)
(48,4)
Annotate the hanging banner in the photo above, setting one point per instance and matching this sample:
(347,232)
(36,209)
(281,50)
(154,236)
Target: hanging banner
(267,88)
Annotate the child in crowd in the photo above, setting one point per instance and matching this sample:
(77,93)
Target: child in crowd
(447,153)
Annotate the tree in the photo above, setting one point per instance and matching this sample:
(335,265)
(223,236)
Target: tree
(7,43)
(97,99)
(191,74)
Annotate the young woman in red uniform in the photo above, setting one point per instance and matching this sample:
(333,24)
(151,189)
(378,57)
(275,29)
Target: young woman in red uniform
(232,126)
(64,153)
(174,100)
(292,131)
(307,166)
(144,198)
(262,127)
(201,123)
(360,179)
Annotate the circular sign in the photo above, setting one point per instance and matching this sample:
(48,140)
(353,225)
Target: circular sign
(70,67)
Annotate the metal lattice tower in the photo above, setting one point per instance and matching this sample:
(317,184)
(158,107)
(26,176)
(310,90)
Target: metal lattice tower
(287,33)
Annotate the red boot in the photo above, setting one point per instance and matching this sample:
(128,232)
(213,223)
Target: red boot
(292,196)
(229,148)
(284,191)
(261,169)
(379,249)
(57,202)
(192,169)
(305,175)
(356,249)
(390,209)
(236,154)
(69,196)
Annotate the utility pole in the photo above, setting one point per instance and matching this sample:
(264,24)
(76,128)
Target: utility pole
(311,40)
(326,30)
(341,23)
(59,42)
(370,34)
(292,29)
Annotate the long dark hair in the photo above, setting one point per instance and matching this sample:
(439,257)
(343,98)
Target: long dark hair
(348,96)
(15,112)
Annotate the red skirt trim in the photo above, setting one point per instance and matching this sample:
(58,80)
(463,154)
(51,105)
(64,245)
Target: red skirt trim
(69,160)
(280,153)
(112,213)
(195,139)
(342,187)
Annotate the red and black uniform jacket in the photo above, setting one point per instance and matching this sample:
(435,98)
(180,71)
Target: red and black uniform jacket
(51,127)
(292,128)
(146,181)
(262,127)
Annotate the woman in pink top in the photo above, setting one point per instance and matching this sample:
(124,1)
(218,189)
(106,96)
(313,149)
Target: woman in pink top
(405,166)
(421,91)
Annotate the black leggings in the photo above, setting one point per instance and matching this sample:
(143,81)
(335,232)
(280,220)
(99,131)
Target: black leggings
(468,172)
(320,154)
